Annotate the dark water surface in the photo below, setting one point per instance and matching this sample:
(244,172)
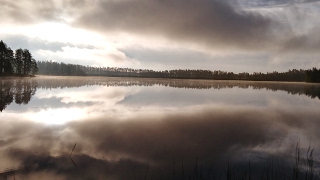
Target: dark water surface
(127,128)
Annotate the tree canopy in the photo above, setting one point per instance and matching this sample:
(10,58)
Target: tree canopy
(19,62)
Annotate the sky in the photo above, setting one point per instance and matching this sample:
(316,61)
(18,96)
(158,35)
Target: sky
(229,35)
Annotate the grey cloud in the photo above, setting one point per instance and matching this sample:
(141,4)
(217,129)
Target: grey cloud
(34,44)
(263,3)
(13,12)
(18,12)
(183,58)
(117,57)
(210,23)
(54,10)
(26,12)
(16,42)
(307,43)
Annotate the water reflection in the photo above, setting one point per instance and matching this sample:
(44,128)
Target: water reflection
(126,130)
(18,90)
(125,149)
(311,90)
(21,90)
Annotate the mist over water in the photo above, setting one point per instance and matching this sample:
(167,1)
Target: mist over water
(127,128)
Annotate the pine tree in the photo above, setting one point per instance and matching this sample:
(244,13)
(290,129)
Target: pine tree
(19,60)
(27,59)
(3,52)
(33,67)
(8,63)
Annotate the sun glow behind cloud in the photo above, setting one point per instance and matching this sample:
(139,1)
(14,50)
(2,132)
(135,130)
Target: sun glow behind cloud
(88,48)
(54,31)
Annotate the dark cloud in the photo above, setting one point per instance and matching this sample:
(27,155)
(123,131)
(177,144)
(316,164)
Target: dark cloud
(305,43)
(210,23)
(214,24)
(270,3)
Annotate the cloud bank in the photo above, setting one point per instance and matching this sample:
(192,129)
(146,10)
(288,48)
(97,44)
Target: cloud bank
(209,23)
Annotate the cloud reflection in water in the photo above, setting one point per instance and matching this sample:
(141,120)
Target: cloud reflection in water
(129,132)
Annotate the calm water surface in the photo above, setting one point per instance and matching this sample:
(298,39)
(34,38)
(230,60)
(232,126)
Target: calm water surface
(127,128)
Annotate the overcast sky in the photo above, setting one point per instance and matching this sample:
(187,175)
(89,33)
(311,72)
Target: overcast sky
(229,35)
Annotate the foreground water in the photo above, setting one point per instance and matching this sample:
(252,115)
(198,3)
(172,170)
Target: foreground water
(126,128)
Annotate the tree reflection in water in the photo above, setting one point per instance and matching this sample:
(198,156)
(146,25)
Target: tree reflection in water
(18,90)
(21,90)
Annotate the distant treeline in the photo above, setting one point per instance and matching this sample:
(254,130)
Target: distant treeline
(62,69)
(19,62)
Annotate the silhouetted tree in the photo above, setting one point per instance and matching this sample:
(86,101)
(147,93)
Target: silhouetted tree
(9,62)
(6,55)
(19,62)
(33,67)
(26,59)
(3,49)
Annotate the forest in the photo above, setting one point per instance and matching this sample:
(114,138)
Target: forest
(21,63)
(18,62)
(62,69)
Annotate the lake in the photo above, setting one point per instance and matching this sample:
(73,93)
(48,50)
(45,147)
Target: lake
(131,128)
